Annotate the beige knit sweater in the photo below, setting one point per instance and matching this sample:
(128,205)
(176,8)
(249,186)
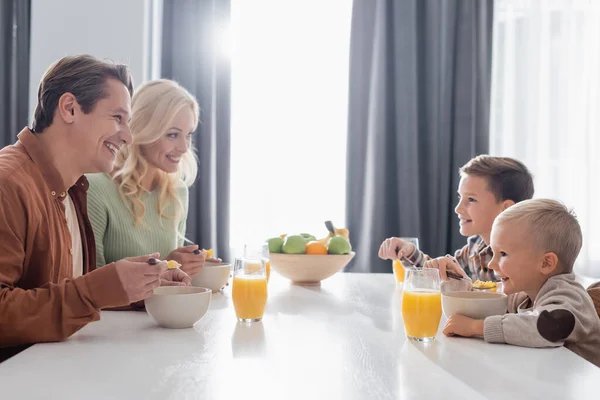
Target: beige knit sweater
(562,314)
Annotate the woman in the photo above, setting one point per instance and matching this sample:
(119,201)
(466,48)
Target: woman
(141,208)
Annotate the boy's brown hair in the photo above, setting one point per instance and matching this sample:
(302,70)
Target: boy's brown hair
(83,76)
(508,179)
(550,225)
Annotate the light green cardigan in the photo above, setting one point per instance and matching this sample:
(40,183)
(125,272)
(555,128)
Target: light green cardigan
(113,223)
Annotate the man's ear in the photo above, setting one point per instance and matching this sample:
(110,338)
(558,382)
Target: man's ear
(66,108)
(549,263)
(507,203)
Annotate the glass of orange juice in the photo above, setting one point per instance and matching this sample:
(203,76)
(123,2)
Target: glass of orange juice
(267,257)
(249,288)
(421,304)
(259,253)
(397,266)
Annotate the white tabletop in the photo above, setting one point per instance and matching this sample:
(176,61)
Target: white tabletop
(342,340)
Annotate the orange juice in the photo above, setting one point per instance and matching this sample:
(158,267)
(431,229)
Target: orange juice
(249,295)
(421,312)
(268,267)
(253,267)
(398,270)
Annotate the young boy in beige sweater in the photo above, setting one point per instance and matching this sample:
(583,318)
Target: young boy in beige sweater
(535,244)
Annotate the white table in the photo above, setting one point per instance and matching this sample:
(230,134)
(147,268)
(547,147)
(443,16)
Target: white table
(342,340)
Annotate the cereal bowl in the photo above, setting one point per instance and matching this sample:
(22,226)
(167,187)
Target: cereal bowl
(178,306)
(478,305)
(213,276)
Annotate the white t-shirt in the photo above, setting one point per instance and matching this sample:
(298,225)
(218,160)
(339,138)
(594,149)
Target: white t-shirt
(77,249)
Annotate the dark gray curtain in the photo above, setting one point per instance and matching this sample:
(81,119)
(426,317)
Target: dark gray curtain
(191,56)
(14,68)
(420,73)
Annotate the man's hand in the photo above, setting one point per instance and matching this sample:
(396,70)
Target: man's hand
(175,277)
(459,325)
(138,277)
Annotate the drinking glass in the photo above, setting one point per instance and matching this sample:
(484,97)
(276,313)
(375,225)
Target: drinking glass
(260,252)
(249,288)
(421,304)
(397,266)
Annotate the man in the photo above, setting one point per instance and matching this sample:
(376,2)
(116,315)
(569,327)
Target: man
(49,286)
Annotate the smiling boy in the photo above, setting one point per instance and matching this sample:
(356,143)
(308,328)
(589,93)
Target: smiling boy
(535,244)
(488,186)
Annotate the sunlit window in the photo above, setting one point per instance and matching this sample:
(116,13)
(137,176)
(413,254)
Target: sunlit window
(289,112)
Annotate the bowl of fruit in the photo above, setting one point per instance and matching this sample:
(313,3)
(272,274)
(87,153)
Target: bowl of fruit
(306,260)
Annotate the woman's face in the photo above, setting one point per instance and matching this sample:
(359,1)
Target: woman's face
(165,154)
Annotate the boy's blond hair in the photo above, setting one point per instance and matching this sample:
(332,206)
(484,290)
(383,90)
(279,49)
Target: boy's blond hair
(508,179)
(551,225)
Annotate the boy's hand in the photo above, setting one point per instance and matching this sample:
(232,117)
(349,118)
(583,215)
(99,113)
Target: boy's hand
(444,264)
(394,248)
(459,325)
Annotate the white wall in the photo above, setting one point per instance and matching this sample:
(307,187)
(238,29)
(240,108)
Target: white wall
(120,30)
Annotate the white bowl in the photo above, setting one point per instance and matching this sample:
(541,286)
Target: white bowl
(213,276)
(308,269)
(178,306)
(478,305)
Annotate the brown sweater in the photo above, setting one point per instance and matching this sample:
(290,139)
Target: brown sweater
(594,292)
(561,315)
(39,299)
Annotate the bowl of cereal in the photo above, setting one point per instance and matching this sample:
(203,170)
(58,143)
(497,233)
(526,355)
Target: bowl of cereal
(474,304)
(178,307)
(485,286)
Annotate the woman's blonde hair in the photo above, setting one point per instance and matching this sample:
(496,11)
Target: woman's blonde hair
(153,109)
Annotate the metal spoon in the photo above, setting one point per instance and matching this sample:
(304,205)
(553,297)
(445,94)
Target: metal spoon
(197,251)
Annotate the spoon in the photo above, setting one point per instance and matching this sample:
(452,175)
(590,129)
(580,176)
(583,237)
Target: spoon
(330,227)
(454,275)
(449,274)
(197,251)
(171,264)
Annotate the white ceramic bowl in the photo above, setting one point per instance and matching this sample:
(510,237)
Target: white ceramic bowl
(308,269)
(178,306)
(478,305)
(213,276)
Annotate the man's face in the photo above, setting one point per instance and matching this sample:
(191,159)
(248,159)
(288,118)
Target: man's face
(99,134)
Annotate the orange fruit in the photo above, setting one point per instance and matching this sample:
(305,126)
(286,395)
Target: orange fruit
(315,247)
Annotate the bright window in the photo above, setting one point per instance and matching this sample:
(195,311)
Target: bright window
(546,104)
(289,117)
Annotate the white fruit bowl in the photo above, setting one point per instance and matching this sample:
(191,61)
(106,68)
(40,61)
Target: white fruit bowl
(308,269)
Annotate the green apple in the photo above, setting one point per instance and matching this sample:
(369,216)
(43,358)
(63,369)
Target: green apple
(308,237)
(338,245)
(294,244)
(275,244)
